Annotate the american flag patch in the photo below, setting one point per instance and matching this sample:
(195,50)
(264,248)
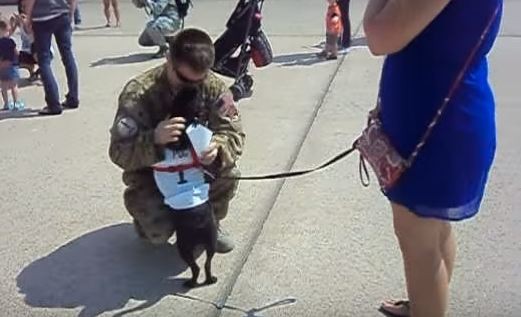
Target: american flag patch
(227,106)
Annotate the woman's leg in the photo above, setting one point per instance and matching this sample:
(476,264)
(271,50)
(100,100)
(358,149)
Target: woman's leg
(14,92)
(334,47)
(421,242)
(106,10)
(115,6)
(448,249)
(5,96)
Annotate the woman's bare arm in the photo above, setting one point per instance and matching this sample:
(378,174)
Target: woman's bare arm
(392,24)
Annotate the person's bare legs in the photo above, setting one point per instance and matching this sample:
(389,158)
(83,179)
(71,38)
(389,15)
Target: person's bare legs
(5,96)
(106,10)
(448,249)
(327,50)
(334,48)
(323,53)
(14,92)
(426,245)
(115,7)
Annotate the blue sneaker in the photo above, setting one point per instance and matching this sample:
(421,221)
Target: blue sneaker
(19,105)
(10,105)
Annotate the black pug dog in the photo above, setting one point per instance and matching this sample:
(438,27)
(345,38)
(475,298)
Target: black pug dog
(196,226)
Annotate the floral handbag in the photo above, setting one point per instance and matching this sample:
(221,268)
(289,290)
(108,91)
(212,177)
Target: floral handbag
(377,149)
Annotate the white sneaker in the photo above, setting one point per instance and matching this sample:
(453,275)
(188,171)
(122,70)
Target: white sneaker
(19,105)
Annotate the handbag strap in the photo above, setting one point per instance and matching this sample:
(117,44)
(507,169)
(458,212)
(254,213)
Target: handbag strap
(452,90)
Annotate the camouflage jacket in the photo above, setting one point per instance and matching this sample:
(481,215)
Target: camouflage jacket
(145,101)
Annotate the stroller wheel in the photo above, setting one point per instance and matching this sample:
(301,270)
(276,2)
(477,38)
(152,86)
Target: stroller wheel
(247,81)
(237,92)
(240,90)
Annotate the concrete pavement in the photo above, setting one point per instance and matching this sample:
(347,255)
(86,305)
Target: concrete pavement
(319,245)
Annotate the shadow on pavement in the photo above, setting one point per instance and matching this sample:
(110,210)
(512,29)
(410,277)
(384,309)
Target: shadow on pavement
(298,59)
(311,58)
(355,42)
(101,271)
(359,42)
(125,59)
(23,114)
(90,28)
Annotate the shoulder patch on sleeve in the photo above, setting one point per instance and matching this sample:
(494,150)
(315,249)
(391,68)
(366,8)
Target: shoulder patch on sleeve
(126,127)
(227,107)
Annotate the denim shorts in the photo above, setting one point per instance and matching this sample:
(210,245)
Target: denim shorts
(9,74)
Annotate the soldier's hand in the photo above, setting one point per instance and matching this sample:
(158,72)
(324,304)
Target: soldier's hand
(210,154)
(169,130)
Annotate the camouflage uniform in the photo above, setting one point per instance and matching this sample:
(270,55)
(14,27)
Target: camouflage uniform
(164,21)
(143,103)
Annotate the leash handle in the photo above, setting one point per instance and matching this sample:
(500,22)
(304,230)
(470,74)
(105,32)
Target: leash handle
(363,172)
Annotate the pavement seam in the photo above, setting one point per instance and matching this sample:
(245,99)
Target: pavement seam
(224,294)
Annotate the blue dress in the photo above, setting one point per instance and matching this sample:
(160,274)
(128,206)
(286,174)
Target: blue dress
(447,180)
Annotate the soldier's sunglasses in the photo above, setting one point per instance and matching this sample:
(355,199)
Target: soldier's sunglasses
(186,80)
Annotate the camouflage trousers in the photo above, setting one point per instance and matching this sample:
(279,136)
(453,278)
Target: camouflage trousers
(154,220)
(156,30)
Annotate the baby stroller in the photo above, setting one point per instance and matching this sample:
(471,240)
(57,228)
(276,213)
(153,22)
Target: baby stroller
(243,32)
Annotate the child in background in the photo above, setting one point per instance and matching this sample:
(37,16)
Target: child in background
(333,30)
(8,68)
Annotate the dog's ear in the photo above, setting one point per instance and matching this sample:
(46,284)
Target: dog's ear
(187,104)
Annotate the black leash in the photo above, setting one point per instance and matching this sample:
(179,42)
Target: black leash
(299,173)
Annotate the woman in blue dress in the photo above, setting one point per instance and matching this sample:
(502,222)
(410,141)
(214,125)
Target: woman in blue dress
(427,43)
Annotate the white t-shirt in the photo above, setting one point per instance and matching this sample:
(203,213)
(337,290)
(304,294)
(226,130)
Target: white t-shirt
(181,182)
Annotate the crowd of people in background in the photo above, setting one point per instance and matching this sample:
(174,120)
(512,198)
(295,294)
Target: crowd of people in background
(37,22)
